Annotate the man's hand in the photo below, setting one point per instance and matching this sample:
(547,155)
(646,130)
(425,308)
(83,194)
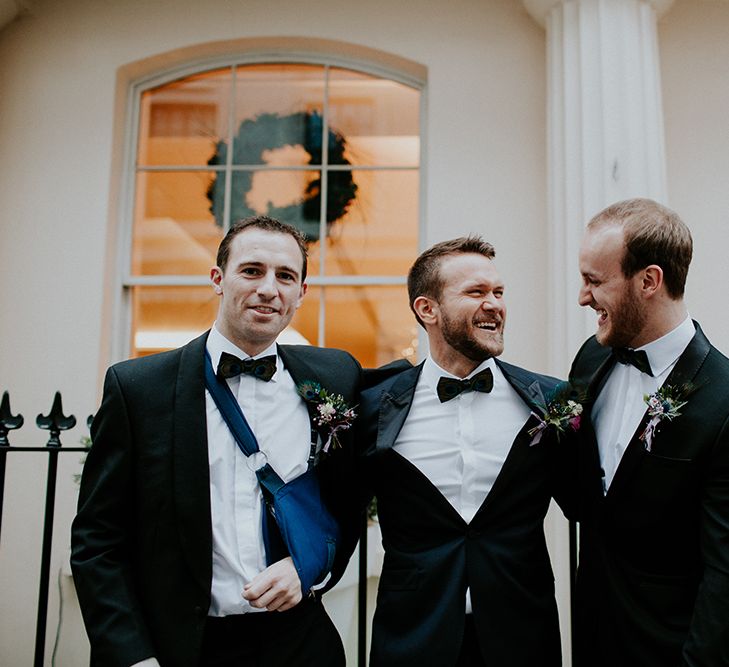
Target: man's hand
(277,588)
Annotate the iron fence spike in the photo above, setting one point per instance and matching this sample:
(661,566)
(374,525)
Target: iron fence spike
(8,421)
(55,421)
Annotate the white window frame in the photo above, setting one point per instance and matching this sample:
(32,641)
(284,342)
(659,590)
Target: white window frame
(121,339)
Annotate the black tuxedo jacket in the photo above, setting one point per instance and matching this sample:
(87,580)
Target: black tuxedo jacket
(142,538)
(432,555)
(653,576)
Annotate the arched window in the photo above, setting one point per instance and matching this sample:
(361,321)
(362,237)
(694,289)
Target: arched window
(330,149)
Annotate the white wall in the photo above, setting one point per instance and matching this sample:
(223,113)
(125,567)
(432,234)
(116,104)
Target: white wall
(694,54)
(484,172)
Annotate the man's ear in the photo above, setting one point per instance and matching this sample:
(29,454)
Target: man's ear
(216,276)
(302,293)
(651,280)
(426,309)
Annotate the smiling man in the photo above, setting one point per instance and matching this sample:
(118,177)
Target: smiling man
(653,577)
(463,477)
(168,549)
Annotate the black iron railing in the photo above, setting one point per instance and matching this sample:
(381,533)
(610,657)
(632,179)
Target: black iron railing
(55,422)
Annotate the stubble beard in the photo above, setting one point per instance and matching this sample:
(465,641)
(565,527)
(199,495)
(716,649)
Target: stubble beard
(627,320)
(460,337)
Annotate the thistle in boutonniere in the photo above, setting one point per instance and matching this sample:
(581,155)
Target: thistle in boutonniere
(665,403)
(330,411)
(563,411)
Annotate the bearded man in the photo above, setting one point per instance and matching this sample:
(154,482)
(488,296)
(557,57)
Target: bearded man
(463,466)
(653,576)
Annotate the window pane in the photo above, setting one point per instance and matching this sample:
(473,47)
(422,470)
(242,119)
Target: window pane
(379,120)
(278,106)
(181,122)
(375,324)
(164,318)
(378,234)
(174,230)
(167,317)
(290,196)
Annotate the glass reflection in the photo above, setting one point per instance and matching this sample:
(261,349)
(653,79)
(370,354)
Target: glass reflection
(174,230)
(379,118)
(374,323)
(181,122)
(164,318)
(378,235)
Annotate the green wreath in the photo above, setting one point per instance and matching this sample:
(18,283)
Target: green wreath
(270,131)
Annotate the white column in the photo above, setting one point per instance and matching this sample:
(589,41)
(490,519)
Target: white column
(604,133)
(604,144)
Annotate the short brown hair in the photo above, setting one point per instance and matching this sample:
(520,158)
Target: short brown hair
(653,234)
(267,224)
(424,277)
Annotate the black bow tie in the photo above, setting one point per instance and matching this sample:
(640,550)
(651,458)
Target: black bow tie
(449,388)
(229,366)
(637,358)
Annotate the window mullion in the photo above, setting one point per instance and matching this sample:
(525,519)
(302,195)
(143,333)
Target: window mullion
(229,152)
(321,338)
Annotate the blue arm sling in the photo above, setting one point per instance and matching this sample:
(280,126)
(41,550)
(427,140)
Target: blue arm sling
(307,530)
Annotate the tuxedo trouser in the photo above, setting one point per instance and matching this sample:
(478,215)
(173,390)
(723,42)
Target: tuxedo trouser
(300,637)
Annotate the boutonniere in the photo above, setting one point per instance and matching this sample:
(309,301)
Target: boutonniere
(330,411)
(563,411)
(665,403)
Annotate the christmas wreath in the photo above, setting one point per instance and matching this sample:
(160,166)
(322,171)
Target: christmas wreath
(269,131)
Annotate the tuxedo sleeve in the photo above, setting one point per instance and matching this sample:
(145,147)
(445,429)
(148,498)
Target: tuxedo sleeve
(339,469)
(708,640)
(102,538)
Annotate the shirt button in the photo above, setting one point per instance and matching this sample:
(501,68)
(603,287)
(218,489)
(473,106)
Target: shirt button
(472,533)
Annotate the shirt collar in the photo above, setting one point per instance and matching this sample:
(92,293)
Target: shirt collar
(668,348)
(432,372)
(217,343)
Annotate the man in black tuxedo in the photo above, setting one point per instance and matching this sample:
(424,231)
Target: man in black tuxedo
(653,576)
(167,550)
(458,454)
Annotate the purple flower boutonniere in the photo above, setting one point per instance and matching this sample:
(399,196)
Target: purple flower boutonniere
(665,403)
(562,412)
(330,411)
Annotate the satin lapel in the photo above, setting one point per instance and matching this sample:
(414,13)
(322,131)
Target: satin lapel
(394,407)
(298,366)
(531,393)
(426,485)
(525,385)
(683,372)
(597,381)
(191,467)
(589,456)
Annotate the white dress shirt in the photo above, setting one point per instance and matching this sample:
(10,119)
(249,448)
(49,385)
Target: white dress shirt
(620,407)
(461,445)
(278,417)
